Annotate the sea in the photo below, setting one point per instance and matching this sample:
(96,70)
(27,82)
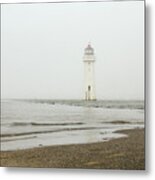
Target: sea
(30,123)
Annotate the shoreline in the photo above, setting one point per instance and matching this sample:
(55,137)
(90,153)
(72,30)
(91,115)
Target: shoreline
(121,153)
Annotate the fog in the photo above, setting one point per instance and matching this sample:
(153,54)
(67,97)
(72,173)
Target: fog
(42,47)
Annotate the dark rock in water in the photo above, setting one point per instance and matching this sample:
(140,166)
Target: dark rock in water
(120,122)
(117,122)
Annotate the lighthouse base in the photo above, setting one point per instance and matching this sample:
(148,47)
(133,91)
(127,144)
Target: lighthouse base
(89,97)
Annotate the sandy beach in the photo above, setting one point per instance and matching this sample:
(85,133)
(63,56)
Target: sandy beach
(122,153)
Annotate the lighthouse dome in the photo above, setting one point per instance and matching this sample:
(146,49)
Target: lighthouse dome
(89,50)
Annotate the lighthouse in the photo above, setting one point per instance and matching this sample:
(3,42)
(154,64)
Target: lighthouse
(89,60)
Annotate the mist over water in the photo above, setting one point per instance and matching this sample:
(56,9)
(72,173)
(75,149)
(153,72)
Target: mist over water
(35,123)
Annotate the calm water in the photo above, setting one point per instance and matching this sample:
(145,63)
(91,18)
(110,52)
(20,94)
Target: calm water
(36,123)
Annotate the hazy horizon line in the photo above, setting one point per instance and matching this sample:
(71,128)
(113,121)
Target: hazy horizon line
(71,99)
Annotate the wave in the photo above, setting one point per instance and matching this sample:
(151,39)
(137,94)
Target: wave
(118,104)
(44,124)
(16,139)
(51,131)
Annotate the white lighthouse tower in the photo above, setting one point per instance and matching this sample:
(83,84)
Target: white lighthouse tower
(89,60)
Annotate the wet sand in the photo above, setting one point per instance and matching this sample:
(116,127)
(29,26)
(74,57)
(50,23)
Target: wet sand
(122,153)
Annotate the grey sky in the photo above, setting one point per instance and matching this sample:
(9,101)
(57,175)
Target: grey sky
(43,46)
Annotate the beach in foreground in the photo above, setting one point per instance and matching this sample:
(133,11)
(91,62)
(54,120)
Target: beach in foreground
(122,153)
